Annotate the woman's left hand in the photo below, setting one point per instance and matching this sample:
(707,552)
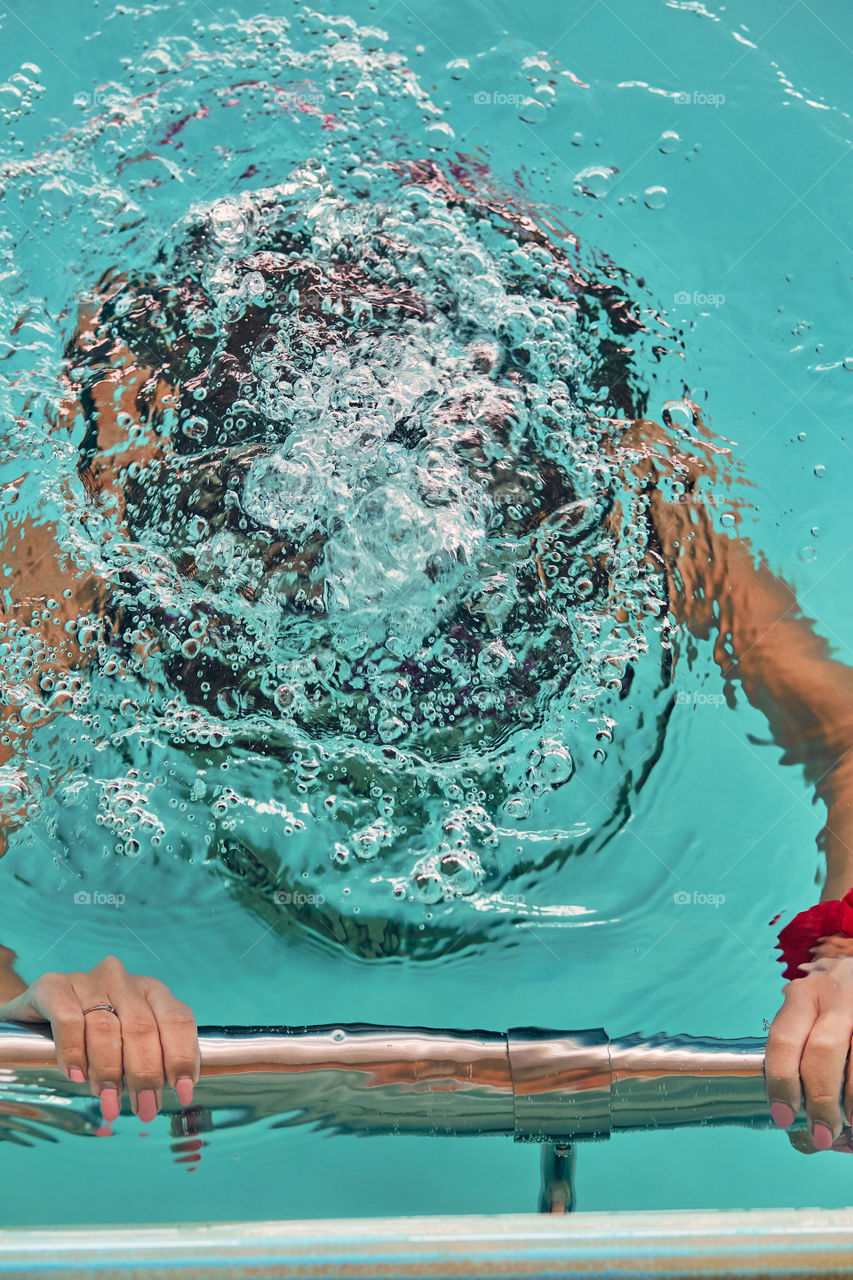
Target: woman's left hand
(115,1029)
(807,1051)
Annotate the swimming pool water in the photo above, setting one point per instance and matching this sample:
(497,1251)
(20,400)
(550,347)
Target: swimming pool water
(707,153)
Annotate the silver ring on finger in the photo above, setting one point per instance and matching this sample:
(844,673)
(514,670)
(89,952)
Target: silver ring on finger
(109,1008)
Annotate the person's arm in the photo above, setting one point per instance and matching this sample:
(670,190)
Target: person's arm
(157,1041)
(720,589)
(124,406)
(33,600)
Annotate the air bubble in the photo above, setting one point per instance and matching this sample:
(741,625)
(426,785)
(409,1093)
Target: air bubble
(284,697)
(493,661)
(556,766)
(441,135)
(678,413)
(655,197)
(428,887)
(594,181)
(532,111)
(368,842)
(391,728)
(195,428)
(459,68)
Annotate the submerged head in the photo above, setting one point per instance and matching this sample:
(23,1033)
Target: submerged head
(380,543)
(379,422)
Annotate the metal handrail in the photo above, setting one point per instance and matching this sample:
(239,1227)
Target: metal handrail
(534,1085)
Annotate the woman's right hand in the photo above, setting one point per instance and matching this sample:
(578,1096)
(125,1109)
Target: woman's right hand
(150,1041)
(808,1048)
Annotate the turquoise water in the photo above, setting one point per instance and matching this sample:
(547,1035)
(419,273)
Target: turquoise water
(705,154)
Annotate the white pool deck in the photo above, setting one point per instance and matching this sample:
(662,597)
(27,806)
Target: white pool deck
(777,1243)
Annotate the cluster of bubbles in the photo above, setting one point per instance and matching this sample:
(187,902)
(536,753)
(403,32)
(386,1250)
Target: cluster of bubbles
(18,97)
(369,555)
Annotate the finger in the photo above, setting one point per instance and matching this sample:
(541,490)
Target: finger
(822,1070)
(178,1038)
(103,1038)
(53,998)
(785,1043)
(847,1100)
(143,1053)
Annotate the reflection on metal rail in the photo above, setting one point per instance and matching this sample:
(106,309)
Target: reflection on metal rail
(532,1084)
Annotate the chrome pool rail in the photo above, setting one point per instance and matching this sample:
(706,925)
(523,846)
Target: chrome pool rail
(528,1083)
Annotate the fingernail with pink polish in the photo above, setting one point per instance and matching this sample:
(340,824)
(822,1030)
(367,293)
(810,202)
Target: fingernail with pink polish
(110,1108)
(184,1090)
(76,1075)
(782,1114)
(146,1105)
(822,1137)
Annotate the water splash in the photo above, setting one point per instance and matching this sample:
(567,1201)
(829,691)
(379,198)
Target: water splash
(375,602)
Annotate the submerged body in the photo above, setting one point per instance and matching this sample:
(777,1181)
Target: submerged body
(334,510)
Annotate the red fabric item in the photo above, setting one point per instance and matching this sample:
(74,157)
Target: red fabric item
(798,937)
